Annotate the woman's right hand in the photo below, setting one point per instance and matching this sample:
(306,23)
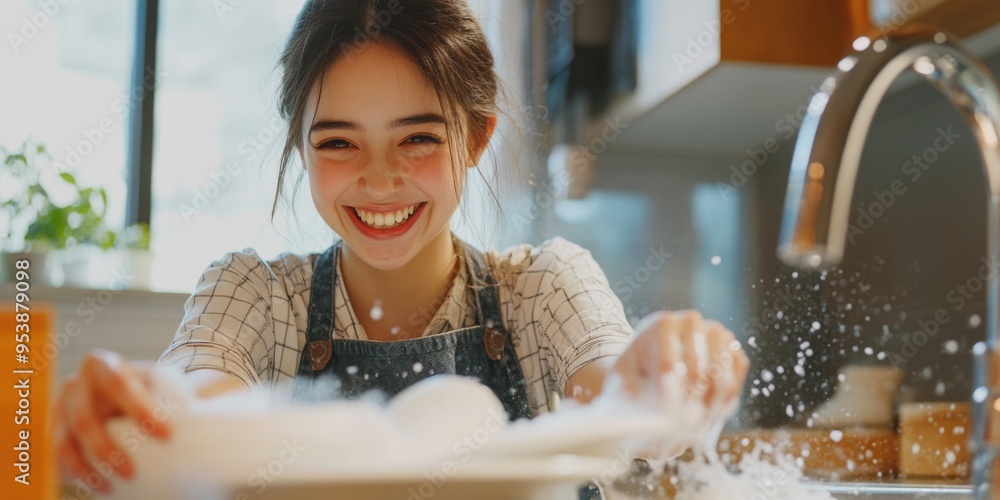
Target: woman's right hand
(106,387)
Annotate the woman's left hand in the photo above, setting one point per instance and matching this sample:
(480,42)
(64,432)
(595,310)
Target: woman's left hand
(702,350)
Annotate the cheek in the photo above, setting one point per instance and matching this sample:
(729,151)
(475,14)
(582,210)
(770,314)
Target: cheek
(329,178)
(433,173)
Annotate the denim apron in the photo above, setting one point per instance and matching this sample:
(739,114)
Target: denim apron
(485,351)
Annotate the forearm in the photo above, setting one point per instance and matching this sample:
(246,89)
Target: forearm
(209,383)
(586,383)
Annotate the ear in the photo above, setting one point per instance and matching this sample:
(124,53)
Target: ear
(481,142)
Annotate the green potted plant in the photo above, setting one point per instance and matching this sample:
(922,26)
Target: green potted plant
(46,211)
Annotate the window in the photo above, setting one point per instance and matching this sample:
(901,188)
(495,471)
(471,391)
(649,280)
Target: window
(218,139)
(67,70)
(216,133)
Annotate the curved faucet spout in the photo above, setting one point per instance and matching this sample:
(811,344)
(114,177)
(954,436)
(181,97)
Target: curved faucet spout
(825,165)
(828,150)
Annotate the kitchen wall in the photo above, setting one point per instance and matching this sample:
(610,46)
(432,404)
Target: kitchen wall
(895,300)
(136,324)
(915,260)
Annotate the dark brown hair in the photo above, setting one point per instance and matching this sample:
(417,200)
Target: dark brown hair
(441,37)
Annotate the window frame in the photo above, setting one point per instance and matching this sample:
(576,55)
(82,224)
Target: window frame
(139,163)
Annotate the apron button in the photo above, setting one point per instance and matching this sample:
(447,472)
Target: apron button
(320,352)
(494,341)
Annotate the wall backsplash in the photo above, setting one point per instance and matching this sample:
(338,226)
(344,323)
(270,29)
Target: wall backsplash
(909,252)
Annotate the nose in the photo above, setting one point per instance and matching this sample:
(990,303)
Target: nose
(380,180)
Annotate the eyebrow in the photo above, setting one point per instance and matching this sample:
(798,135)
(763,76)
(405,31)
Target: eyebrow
(406,121)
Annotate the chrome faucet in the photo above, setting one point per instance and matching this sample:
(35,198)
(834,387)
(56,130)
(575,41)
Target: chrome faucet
(827,155)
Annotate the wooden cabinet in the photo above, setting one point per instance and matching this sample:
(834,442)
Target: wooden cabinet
(721,76)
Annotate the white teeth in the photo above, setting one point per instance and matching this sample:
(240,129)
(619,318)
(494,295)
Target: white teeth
(385,220)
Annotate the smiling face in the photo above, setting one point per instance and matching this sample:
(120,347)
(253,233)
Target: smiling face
(382,169)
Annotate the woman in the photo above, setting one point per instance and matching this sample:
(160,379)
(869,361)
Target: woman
(389,104)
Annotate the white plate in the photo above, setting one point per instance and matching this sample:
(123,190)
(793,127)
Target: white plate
(548,478)
(578,434)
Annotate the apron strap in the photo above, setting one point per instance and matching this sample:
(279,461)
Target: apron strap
(319,347)
(483,283)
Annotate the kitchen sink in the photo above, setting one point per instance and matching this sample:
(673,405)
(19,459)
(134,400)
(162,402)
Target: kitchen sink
(894,490)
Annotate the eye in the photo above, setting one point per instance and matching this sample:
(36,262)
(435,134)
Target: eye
(334,144)
(423,139)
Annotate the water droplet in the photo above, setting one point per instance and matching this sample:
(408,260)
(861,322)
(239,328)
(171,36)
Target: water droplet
(800,371)
(789,411)
(795,274)
(766,375)
(352,370)
(376,312)
(418,367)
(716,260)
(939,389)
(915,449)
(836,436)
(394,330)
(869,351)
(975,320)
(951,347)
(816,326)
